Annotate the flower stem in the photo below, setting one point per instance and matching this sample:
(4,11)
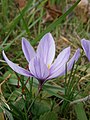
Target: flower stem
(39,90)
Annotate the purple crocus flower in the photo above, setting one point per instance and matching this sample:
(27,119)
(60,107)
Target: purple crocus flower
(86,47)
(40,63)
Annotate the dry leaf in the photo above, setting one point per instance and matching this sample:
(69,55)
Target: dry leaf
(2,116)
(82,11)
(52,12)
(20,3)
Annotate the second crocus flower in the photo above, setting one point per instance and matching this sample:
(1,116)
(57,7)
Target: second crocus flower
(86,47)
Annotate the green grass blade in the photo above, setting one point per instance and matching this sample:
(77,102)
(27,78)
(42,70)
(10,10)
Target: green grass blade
(15,21)
(4,8)
(80,112)
(20,35)
(24,22)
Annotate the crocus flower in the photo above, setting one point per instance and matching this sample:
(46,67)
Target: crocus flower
(86,47)
(40,63)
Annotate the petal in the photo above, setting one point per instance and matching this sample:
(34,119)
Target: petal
(16,68)
(46,49)
(61,71)
(38,69)
(60,60)
(27,50)
(86,47)
(73,59)
(58,72)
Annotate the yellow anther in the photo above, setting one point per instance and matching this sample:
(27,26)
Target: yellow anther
(48,66)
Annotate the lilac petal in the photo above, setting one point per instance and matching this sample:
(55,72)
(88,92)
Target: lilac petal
(57,73)
(73,59)
(60,60)
(27,50)
(38,69)
(61,71)
(46,49)
(16,68)
(86,47)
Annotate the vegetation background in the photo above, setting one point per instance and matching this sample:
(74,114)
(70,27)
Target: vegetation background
(64,98)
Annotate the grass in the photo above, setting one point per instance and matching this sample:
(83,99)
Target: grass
(57,95)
